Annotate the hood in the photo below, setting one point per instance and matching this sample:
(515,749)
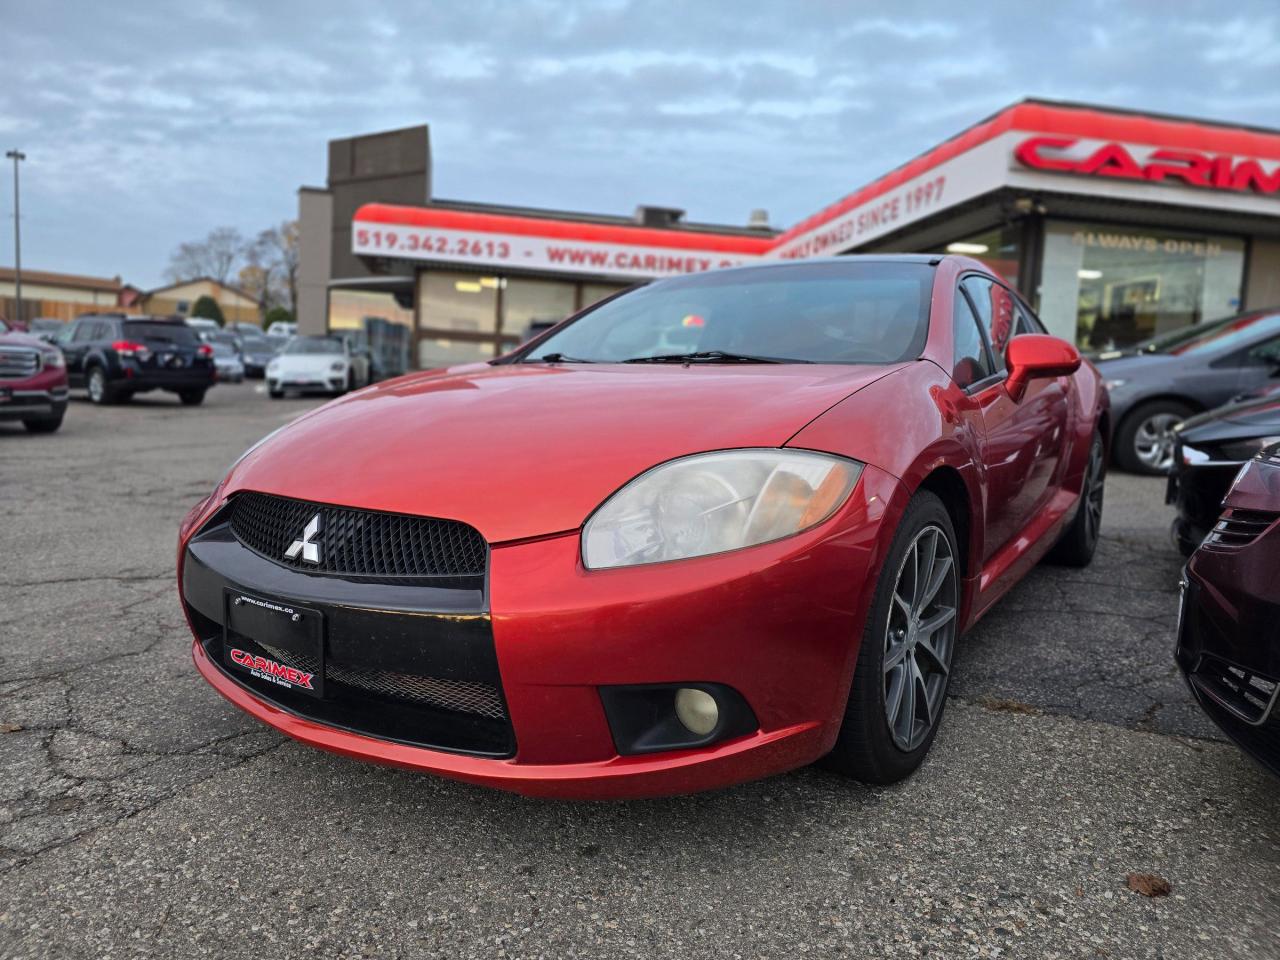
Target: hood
(1247,418)
(12,338)
(527,450)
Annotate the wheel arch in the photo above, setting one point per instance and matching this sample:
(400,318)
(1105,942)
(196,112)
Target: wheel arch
(1168,397)
(946,483)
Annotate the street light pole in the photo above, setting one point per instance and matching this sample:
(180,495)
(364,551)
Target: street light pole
(15,156)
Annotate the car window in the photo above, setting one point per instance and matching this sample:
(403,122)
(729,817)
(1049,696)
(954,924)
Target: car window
(152,330)
(835,312)
(312,345)
(1028,322)
(1265,354)
(84,331)
(995,308)
(972,362)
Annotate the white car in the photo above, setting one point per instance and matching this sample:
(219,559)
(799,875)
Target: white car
(203,325)
(317,364)
(282,328)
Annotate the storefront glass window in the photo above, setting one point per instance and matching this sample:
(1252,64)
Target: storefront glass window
(1000,249)
(376,321)
(595,292)
(1107,286)
(531,306)
(457,318)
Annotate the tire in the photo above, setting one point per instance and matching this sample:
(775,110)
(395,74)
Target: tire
(275,394)
(100,391)
(43,424)
(1143,442)
(1076,546)
(191,398)
(868,747)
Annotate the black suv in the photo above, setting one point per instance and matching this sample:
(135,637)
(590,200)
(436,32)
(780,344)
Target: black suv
(113,356)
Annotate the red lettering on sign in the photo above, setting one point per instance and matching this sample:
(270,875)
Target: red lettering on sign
(1114,160)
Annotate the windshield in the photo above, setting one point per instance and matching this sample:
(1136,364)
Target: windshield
(223,349)
(1219,334)
(256,343)
(830,312)
(160,331)
(312,345)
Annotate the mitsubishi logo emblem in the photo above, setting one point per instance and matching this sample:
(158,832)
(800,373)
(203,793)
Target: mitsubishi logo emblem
(310,551)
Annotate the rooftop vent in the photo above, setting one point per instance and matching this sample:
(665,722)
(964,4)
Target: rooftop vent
(759,220)
(658,216)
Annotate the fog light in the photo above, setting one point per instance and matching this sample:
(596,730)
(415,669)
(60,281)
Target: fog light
(697,710)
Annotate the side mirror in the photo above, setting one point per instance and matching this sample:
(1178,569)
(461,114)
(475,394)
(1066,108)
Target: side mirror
(1033,356)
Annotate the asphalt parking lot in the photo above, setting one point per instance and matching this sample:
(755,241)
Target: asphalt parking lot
(141,815)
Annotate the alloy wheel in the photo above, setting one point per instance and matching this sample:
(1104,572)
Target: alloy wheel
(97,386)
(1153,441)
(919,638)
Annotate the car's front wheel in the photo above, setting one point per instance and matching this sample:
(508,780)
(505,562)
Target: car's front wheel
(191,398)
(904,664)
(43,424)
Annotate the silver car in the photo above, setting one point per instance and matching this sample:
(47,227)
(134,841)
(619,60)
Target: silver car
(1159,383)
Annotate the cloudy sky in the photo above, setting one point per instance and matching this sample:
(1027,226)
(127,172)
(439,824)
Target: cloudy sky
(149,124)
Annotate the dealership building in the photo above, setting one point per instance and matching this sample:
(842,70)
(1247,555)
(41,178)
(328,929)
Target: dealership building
(1114,225)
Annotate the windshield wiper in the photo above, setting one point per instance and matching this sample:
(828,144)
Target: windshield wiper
(712,356)
(555,358)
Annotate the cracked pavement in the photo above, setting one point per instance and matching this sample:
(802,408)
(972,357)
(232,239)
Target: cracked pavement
(140,815)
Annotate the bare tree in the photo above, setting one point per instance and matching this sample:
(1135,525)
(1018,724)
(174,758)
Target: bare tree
(277,250)
(216,256)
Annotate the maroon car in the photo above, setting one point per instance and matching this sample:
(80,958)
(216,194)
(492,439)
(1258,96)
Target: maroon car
(33,382)
(1229,624)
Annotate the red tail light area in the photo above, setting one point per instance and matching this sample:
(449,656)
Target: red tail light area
(127,348)
(205,350)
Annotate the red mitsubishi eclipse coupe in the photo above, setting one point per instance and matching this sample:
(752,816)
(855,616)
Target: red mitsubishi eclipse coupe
(708,530)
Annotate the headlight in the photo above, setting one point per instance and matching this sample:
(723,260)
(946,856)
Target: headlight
(338,366)
(1246,449)
(713,502)
(54,358)
(1113,384)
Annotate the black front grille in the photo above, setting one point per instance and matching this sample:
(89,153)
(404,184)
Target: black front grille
(1239,528)
(1247,694)
(358,543)
(465,696)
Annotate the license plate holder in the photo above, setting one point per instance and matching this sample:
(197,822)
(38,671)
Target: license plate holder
(296,631)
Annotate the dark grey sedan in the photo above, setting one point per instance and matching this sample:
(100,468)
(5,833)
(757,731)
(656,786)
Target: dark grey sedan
(1161,382)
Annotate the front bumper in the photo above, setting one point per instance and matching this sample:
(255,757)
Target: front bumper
(19,403)
(306,384)
(778,623)
(1228,646)
(1197,492)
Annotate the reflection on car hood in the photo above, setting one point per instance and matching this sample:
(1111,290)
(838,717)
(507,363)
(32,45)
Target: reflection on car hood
(1264,414)
(527,450)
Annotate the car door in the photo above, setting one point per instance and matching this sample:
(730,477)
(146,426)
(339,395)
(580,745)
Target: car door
(1022,440)
(74,345)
